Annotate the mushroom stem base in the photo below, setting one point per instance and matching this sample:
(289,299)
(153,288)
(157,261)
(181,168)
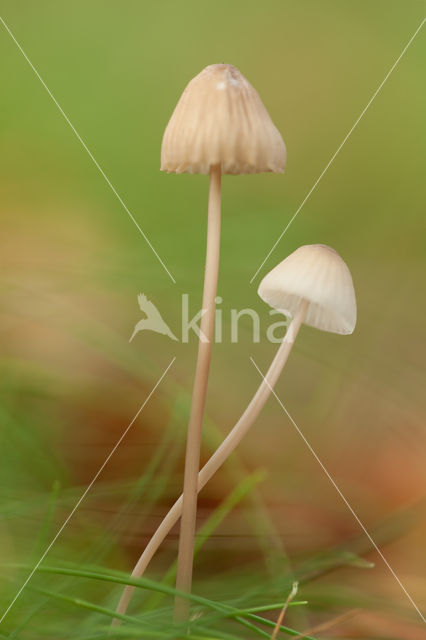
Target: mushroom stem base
(230,443)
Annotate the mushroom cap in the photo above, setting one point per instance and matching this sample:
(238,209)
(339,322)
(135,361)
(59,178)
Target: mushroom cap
(221,120)
(318,274)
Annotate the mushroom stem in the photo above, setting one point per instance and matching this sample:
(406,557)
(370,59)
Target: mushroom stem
(222,453)
(193,443)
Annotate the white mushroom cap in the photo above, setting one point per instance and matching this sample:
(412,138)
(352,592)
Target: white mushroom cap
(318,274)
(221,120)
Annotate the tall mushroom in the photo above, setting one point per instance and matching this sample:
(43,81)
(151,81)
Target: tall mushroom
(314,285)
(219,125)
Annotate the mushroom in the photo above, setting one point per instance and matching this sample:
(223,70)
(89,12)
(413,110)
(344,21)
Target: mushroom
(219,125)
(314,285)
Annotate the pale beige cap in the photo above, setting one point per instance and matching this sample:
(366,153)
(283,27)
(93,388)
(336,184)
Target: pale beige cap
(318,274)
(221,120)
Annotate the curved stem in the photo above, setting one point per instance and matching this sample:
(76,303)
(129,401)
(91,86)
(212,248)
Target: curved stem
(193,442)
(222,453)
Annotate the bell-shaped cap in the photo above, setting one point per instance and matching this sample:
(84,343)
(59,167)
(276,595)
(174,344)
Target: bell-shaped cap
(221,120)
(318,274)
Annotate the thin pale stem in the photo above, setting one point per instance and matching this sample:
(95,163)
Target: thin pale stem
(193,442)
(290,597)
(222,453)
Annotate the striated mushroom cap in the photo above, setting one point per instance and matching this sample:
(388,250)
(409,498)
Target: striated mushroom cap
(316,273)
(221,120)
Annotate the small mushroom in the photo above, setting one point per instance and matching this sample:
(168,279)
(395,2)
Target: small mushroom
(219,125)
(313,285)
(315,274)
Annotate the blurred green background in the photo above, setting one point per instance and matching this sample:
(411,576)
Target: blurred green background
(72,263)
